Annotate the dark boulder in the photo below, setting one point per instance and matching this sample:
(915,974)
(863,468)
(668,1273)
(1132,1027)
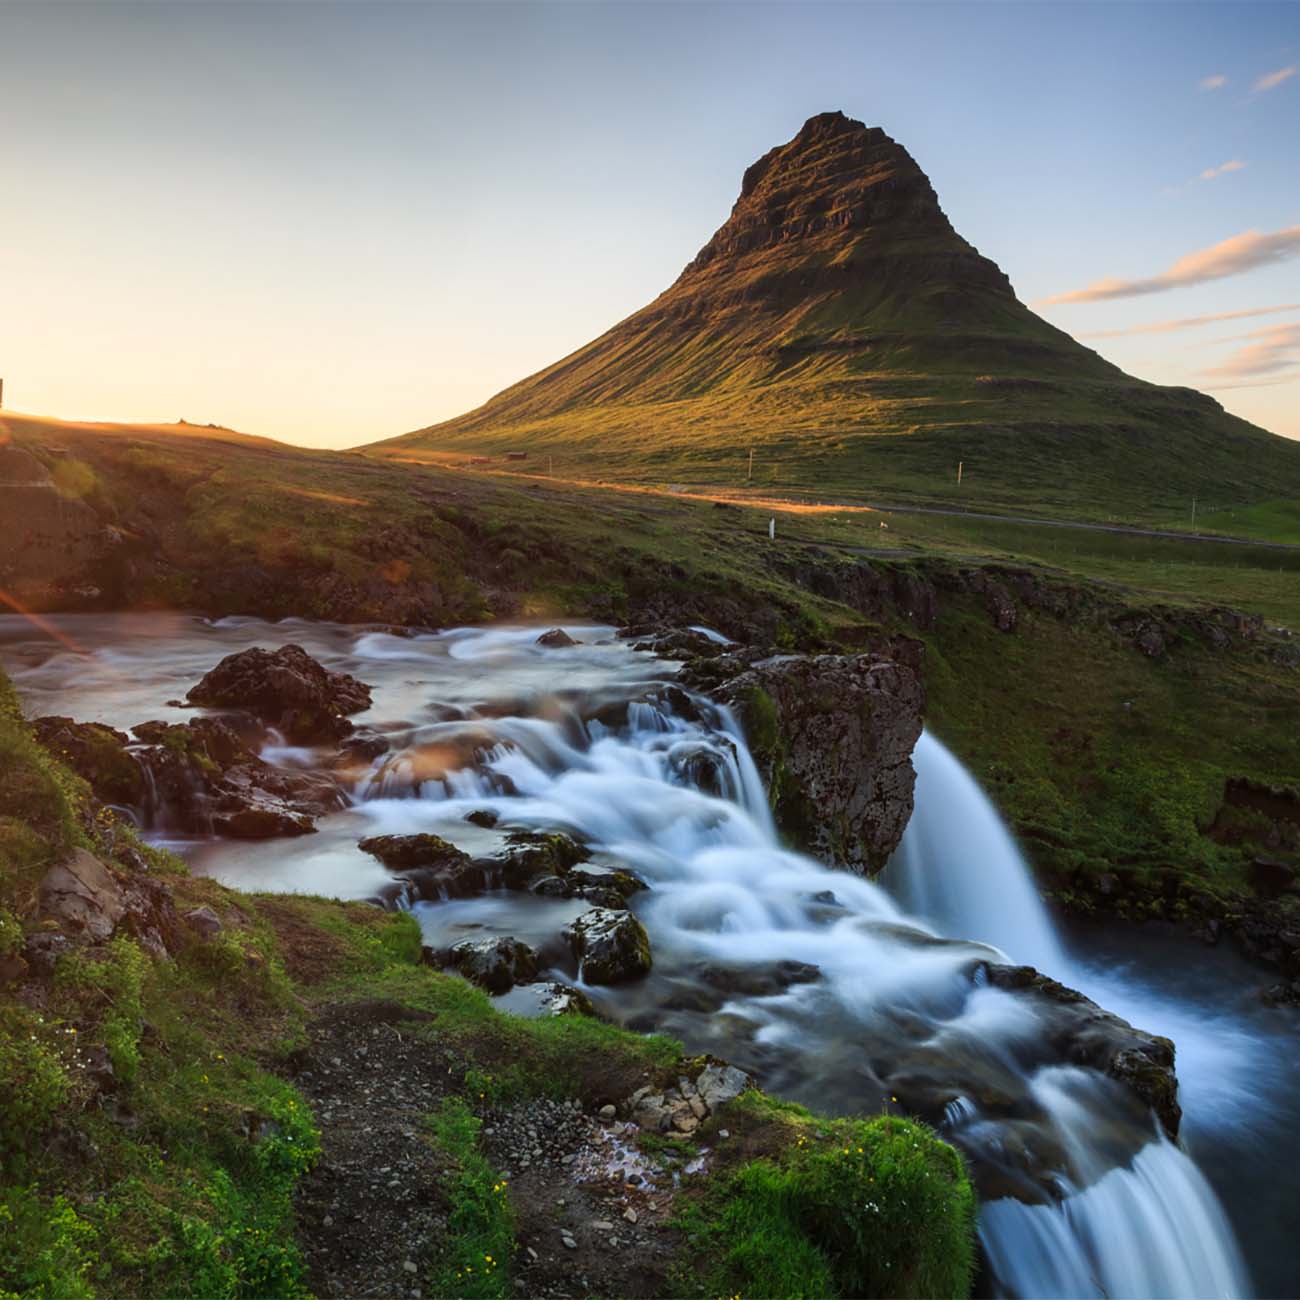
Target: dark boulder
(1082,1033)
(405,852)
(361,748)
(204,779)
(555,639)
(610,946)
(530,855)
(287,689)
(494,964)
(429,867)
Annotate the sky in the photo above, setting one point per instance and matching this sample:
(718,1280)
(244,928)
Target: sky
(335,223)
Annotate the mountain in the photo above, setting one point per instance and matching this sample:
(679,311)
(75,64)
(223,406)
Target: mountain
(839,326)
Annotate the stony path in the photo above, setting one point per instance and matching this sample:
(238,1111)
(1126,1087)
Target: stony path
(591,1210)
(368,1210)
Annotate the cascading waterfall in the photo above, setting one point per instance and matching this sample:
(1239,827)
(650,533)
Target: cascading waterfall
(724,891)
(959,869)
(1154,1228)
(829,982)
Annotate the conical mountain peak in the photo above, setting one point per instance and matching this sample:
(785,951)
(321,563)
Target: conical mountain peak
(835,176)
(837,324)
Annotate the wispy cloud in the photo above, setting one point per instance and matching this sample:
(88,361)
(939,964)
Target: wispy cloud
(1232,165)
(1272,80)
(1267,352)
(1189,322)
(1242,252)
(1216,82)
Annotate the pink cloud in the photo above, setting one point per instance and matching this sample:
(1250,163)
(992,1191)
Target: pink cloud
(1189,322)
(1232,165)
(1233,256)
(1216,82)
(1273,349)
(1271,80)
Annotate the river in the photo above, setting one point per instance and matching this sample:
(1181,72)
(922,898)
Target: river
(823,984)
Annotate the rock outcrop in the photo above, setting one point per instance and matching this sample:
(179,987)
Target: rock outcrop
(89,903)
(556,639)
(681,1107)
(286,689)
(99,754)
(196,777)
(83,897)
(833,737)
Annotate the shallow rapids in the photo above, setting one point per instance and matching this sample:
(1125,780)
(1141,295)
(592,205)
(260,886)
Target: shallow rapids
(823,984)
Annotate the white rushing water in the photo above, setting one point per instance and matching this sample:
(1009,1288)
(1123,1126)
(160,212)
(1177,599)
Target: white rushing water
(487,720)
(1154,1228)
(959,869)
(724,890)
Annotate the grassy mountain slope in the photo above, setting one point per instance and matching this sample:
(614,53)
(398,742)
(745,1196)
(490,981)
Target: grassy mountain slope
(840,327)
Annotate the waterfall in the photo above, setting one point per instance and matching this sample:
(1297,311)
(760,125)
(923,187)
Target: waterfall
(680,802)
(959,869)
(1151,1228)
(1154,1228)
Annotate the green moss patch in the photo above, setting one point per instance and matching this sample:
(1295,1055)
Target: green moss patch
(806,1207)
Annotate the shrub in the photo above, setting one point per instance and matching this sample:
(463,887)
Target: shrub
(119,981)
(857,1208)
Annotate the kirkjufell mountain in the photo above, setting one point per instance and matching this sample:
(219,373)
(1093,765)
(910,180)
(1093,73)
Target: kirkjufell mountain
(840,326)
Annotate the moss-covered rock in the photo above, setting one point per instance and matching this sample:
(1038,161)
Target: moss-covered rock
(97,753)
(833,737)
(494,964)
(610,946)
(404,852)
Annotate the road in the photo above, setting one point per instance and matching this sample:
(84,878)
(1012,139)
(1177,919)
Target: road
(1125,529)
(779,506)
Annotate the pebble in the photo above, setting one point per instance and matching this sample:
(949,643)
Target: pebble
(410,1266)
(630,1214)
(603,1225)
(723,1134)
(569,1242)
(607,1114)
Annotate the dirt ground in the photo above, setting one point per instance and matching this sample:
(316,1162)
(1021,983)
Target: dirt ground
(591,1210)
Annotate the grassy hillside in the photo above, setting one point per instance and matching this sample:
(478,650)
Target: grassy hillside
(840,328)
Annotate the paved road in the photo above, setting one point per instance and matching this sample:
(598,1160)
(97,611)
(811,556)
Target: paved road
(823,506)
(1124,529)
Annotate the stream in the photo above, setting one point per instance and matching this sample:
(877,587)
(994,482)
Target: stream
(821,983)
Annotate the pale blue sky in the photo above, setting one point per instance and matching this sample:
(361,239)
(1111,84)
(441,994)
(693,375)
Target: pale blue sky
(332,223)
